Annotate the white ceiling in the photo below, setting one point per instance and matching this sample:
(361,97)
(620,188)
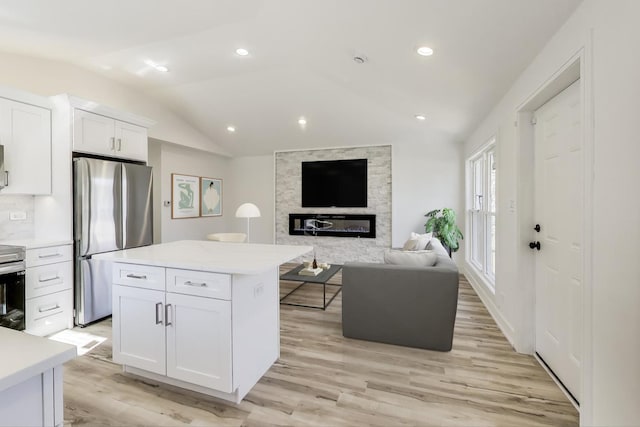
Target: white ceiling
(301,61)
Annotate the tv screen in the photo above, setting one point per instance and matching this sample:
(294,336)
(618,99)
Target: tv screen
(334,183)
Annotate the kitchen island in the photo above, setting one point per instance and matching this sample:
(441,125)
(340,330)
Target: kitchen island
(201,315)
(31,379)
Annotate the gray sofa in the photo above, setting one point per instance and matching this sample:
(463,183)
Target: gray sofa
(395,304)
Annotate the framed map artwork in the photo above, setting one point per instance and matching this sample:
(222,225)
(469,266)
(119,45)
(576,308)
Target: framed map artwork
(211,197)
(185,196)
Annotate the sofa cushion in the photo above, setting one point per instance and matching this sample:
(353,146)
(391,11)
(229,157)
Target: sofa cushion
(423,240)
(410,245)
(410,258)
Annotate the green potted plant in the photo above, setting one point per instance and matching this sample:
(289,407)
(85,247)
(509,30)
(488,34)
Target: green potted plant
(442,223)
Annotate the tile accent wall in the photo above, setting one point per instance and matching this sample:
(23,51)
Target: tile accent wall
(336,249)
(21,229)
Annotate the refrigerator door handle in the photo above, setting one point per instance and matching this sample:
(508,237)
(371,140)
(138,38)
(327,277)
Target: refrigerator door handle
(83,190)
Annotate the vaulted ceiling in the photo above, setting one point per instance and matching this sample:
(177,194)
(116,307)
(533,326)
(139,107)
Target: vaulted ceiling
(300,62)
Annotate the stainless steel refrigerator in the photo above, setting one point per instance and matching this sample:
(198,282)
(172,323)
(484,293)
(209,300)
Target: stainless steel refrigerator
(112,211)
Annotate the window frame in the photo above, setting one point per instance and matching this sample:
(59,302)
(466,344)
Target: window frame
(482,172)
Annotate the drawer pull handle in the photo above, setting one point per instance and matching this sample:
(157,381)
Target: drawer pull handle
(135,276)
(158,313)
(49,279)
(51,308)
(190,283)
(167,311)
(57,254)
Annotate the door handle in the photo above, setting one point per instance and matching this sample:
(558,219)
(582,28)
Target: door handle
(537,228)
(534,245)
(119,144)
(158,319)
(167,311)
(112,142)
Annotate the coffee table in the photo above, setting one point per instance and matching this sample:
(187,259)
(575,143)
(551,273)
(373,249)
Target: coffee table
(320,279)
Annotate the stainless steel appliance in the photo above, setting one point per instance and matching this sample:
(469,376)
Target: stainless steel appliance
(112,211)
(12,287)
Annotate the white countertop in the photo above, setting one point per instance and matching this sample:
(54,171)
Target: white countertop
(36,243)
(24,356)
(220,257)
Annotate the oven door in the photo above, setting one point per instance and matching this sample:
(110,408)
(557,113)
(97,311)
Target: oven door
(12,296)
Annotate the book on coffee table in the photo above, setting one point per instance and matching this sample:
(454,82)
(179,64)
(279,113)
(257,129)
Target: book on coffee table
(310,271)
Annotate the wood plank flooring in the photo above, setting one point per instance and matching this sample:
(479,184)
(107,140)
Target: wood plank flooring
(324,379)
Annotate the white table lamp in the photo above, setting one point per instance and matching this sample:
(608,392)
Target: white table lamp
(247,210)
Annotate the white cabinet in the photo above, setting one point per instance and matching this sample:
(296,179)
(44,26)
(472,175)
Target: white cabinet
(25,132)
(181,336)
(48,289)
(106,136)
(199,341)
(138,328)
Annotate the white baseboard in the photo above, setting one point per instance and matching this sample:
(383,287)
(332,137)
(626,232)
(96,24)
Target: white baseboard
(477,283)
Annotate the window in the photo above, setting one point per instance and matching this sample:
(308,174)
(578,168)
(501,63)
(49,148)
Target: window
(481,211)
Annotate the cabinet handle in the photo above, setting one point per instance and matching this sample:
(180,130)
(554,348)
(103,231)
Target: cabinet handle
(168,321)
(158,313)
(190,283)
(50,255)
(112,143)
(43,310)
(119,144)
(49,279)
(135,276)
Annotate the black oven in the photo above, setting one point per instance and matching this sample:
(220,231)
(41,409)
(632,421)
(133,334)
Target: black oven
(12,287)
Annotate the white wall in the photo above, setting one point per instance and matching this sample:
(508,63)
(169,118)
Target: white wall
(611,364)
(187,161)
(251,179)
(426,175)
(46,78)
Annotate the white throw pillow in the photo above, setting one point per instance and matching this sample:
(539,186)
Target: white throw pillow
(410,245)
(423,240)
(410,258)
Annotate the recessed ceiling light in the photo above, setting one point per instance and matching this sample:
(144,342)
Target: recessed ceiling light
(424,51)
(302,121)
(421,117)
(231,129)
(242,52)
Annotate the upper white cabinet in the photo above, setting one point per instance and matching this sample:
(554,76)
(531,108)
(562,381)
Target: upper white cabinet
(106,136)
(25,132)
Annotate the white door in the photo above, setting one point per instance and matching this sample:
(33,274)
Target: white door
(138,328)
(27,151)
(199,341)
(559,211)
(131,141)
(93,133)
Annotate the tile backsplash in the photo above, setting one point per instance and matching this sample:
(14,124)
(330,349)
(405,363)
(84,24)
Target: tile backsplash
(16,229)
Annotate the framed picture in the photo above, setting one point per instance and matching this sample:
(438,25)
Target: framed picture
(185,196)
(211,197)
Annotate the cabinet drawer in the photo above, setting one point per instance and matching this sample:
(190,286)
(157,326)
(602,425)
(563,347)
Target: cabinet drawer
(47,279)
(50,313)
(189,282)
(139,276)
(50,255)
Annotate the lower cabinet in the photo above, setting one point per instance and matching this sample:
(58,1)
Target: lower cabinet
(184,337)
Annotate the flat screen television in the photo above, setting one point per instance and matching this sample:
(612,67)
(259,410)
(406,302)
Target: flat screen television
(334,183)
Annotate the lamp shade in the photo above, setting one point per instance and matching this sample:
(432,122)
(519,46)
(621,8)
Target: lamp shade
(247,210)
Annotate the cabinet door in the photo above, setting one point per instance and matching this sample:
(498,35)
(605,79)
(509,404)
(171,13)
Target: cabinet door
(93,133)
(27,148)
(131,141)
(138,328)
(199,341)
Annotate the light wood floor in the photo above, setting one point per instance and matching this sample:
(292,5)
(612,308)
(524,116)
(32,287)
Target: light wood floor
(325,379)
